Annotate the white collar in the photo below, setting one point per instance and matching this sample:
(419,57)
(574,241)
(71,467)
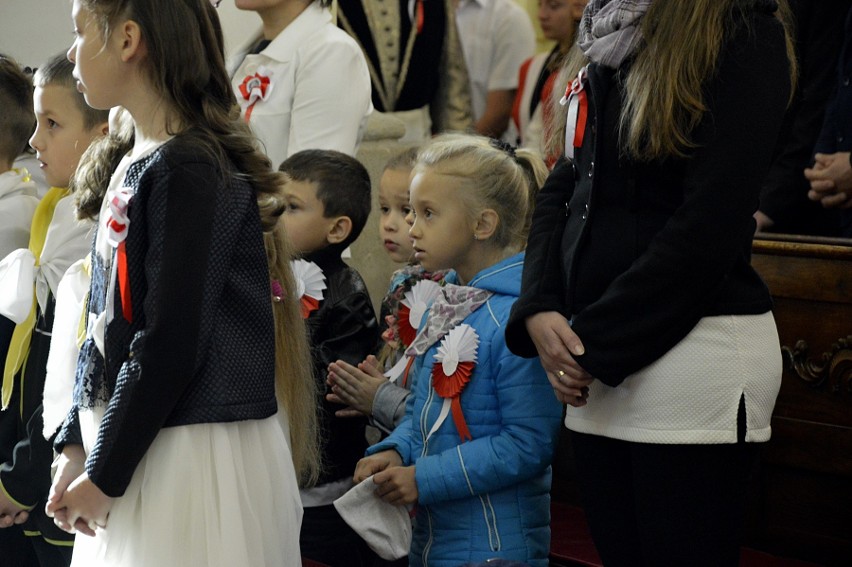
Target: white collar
(297,33)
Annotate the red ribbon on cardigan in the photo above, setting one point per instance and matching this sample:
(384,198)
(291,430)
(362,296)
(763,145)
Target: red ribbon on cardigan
(124,281)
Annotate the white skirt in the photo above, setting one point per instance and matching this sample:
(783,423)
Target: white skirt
(691,394)
(211,494)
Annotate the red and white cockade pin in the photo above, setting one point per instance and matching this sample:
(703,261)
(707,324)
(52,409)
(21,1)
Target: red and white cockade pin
(412,308)
(310,281)
(578,110)
(255,88)
(454,364)
(117,223)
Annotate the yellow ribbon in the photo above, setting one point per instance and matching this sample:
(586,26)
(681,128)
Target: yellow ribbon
(84,313)
(20,346)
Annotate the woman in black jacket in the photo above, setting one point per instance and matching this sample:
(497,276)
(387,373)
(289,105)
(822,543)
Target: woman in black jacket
(638,292)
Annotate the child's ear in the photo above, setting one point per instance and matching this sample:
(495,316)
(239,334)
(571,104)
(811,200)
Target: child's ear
(340,230)
(486,224)
(103,128)
(129,36)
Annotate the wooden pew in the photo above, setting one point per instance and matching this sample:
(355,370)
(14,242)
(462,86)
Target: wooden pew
(802,502)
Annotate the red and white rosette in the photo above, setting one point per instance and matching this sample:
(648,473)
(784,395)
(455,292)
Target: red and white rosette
(255,88)
(412,308)
(454,364)
(578,110)
(310,283)
(117,223)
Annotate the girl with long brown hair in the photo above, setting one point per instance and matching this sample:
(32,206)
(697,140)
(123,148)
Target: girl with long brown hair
(173,452)
(638,293)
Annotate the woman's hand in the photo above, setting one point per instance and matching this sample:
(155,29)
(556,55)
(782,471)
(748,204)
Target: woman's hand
(557,344)
(397,485)
(831,180)
(355,386)
(368,466)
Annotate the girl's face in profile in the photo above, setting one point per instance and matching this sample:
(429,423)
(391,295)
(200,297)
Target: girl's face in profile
(393,208)
(96,60)
(442,227)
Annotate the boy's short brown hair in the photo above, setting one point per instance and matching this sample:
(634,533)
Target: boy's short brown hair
(17,119)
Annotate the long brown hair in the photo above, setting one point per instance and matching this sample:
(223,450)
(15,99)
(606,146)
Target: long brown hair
(664,97)
(185,64)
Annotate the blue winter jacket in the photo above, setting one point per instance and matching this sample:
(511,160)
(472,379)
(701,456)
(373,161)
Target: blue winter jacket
(488,497)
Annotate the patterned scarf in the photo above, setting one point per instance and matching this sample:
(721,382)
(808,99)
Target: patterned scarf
(610,30)
(449,309)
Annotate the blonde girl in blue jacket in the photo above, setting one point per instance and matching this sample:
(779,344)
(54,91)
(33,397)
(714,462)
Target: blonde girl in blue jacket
(474,450)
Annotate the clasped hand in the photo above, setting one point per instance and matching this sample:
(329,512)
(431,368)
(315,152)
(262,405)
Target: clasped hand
(395,483)
(74,502)
(354,386)
(831,180)
(10,512)
(557,344)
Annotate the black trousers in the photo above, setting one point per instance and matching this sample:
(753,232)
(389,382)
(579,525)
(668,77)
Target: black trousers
(652,505)
(18,550)
(326,538)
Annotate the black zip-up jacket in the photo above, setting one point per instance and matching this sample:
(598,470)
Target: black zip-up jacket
(344,327)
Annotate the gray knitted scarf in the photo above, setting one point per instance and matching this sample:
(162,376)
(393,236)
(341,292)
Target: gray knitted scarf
(609,31)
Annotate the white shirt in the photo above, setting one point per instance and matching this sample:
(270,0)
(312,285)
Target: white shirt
(319,95)
(496,37)
(18,202)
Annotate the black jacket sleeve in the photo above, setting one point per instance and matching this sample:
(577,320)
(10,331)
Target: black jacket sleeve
(26,478)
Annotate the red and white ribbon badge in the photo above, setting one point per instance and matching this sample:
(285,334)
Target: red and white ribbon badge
(310,283)
(117,223)
(412,308)
(255,88)
(578,109)
(455,361)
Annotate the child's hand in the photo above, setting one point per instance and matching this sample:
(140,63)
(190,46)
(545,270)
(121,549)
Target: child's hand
(70,464)
(368,466)
(355,386)
(397,485)
(10,512)
(83,507)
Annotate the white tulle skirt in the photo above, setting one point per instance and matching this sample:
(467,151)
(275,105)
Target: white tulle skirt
(213,494)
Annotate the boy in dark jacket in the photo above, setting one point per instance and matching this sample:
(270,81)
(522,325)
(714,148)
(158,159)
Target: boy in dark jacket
(328,202)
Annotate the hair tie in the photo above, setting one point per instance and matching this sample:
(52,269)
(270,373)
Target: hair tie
(503,146)
(277,291)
